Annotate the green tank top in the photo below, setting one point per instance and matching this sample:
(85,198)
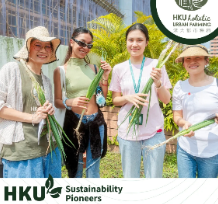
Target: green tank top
(78,77)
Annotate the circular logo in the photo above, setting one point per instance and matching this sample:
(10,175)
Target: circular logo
(191,5)
(186,25)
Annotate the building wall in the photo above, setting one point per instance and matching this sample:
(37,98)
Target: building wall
(61,17)
(128,7)
(214,47)
(141,5)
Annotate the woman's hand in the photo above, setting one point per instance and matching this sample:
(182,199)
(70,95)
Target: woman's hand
(49,108)
(107,69)
(185,127)
(79,102)
(135,99)
(156,76)
(42,112)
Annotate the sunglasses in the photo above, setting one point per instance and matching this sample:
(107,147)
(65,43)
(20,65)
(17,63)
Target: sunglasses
(38,47)
(82,44)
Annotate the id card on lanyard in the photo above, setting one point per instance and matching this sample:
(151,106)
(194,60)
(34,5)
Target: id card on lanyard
(139,122)
(136,88)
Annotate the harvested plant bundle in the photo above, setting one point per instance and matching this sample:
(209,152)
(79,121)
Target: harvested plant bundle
(52,124)
(135,112)
(89,94)
(183,132)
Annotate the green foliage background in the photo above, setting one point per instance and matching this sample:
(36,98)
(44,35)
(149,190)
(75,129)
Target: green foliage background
(110,44)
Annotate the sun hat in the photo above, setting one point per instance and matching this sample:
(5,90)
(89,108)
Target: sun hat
(193,50)
(42,34)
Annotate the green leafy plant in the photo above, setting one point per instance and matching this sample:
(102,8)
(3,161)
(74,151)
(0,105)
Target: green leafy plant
(183,132)
(109,100)
(89,94)
(175,76)
(169,123)
(113,141)
(212,68)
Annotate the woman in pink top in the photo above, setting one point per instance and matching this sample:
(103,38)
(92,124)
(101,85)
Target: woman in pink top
(128,80)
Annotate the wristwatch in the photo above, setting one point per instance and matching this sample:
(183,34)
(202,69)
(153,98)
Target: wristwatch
(64,102)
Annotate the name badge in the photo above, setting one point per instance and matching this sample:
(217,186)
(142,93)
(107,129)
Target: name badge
(139,122)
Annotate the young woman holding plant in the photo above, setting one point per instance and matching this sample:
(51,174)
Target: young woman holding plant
(128,80)
(194,100)
(25,154)
(93,131)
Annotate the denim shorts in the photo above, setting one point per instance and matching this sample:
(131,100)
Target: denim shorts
(39,167)
(131,152)
(191,167)
(92,165)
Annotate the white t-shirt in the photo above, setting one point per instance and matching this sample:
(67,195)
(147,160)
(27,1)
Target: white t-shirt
(122,82)
(197,103)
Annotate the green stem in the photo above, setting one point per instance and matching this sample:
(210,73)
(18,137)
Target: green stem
(183,132)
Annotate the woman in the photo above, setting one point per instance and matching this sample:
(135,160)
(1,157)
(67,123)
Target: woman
(79,75)
(124,78)
(24,154)
(194,100)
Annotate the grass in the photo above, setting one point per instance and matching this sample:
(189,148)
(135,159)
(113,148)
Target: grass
(111,167)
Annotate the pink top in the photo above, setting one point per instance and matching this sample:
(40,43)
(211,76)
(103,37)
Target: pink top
(122,82)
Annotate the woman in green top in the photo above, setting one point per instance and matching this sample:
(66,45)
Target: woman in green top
(79,75)
(24,153)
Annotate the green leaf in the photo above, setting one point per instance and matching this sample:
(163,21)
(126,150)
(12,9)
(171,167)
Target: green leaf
(55,193)
(56,190)
(49,183)
(44,131)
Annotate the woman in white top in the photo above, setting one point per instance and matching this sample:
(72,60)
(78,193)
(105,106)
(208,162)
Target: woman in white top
(194,100)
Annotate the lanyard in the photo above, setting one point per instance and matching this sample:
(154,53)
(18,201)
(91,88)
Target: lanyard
(139,81)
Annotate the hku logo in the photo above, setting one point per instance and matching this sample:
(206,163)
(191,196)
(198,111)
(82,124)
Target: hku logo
(191,5)
(24,192)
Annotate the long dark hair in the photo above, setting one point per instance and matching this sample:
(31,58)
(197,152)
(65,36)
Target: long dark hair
(76,33)
(138,26)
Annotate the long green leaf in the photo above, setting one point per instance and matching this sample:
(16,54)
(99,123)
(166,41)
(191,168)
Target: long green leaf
(51,123)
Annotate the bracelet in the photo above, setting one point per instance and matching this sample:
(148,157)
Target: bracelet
(64,102)
(32,119)
(104,84)
(104,79)
(159,86)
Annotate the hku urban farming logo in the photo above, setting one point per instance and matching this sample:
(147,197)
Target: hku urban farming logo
(186,21)
(191,5)
(25,192)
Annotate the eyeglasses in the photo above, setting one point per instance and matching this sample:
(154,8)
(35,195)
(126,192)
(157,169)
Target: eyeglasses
(82,44)
(38,47)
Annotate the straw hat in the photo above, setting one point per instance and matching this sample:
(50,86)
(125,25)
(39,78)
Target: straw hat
(193,50)
(40,33)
